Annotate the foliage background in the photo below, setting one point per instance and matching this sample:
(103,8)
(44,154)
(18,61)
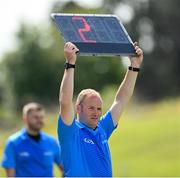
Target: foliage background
(146,142)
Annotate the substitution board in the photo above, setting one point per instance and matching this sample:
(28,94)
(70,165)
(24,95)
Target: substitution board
(95,34)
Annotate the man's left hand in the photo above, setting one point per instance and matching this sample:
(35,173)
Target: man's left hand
(137,60)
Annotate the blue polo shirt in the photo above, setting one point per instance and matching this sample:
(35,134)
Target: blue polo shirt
(30,158)
(85,152)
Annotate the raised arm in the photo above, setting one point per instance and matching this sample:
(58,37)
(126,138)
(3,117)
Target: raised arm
(126,88)
(67,85)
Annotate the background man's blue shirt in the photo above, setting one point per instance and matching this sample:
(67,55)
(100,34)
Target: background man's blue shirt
(30,158)
(85,152)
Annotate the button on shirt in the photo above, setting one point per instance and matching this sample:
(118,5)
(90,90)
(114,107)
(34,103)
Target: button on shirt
(85,152)
(30,158)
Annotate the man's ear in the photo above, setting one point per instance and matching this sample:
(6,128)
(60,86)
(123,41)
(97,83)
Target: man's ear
(78,108)
(24,119)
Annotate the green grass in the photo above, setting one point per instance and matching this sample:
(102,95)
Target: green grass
(146,142)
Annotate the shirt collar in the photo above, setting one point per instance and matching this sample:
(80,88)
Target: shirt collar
(24,134)
(83,126)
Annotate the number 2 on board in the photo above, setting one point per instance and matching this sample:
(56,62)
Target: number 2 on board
(83,30)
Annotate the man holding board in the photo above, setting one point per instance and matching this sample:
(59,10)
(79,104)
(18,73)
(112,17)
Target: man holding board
(84,139)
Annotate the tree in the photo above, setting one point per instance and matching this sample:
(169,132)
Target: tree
(32,69)
(155,25)
(160,73)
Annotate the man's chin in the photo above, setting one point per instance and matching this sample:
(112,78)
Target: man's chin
(94,125)
(37,129)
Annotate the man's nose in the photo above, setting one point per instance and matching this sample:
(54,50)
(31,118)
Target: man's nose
(95,112)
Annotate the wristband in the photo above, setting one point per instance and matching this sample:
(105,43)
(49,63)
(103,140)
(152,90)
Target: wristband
(134,69)
(68,65)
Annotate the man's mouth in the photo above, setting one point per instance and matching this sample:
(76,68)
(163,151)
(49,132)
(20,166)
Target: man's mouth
(94,118)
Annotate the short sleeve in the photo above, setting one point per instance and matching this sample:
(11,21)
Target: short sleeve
(65,132)
(107,124)
(9,156)
(57,154)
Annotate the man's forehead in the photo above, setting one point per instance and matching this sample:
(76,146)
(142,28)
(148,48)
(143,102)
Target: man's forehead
(92,99)
(37,112)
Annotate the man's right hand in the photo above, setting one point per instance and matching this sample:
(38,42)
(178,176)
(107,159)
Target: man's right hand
(70,51)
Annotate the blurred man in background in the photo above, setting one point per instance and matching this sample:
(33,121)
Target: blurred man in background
(84,143)
(30,152)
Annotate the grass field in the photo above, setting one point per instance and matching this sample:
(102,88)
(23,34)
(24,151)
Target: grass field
(146,142)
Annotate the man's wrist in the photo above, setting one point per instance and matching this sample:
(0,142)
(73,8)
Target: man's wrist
(70,62)
(68,65)
(135,65)
(134,69)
